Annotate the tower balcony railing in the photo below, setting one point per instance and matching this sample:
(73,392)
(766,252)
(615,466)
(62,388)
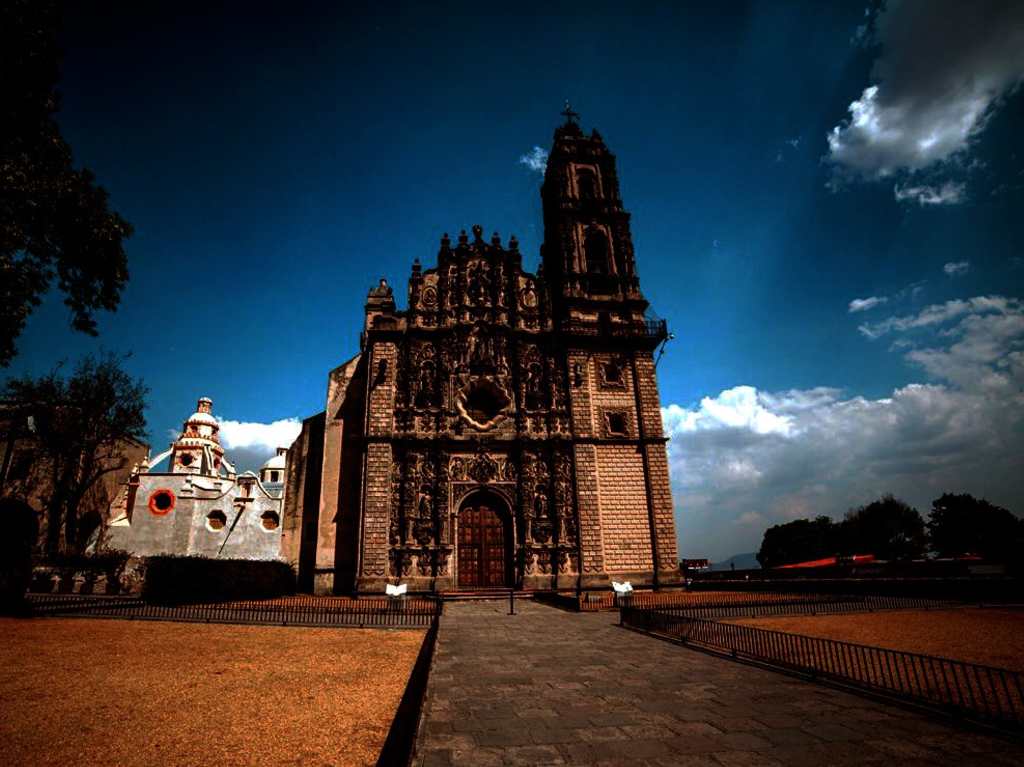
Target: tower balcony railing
(655,329)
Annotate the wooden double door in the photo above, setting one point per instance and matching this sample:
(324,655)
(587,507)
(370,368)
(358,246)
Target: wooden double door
(484,546)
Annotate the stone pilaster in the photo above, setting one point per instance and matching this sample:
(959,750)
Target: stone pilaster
(588,504)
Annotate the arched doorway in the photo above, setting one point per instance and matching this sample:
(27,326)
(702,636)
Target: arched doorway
(485,542)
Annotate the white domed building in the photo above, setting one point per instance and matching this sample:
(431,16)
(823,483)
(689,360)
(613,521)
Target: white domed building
(198,504)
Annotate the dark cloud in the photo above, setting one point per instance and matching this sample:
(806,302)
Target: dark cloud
(943,69)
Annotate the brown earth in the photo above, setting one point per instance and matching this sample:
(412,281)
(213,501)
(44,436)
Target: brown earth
(990,636)
(112,692)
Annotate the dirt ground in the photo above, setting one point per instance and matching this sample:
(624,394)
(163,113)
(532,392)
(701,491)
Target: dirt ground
(115,692)
(991,636)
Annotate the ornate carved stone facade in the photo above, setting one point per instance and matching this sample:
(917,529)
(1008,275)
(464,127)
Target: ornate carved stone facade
(504,429)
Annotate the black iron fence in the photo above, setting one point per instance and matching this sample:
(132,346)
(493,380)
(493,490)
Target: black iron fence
(798,604)
(943,581)
(710,605)
(984,693)
(402,612)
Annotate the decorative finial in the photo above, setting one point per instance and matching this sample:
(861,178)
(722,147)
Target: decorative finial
(463,239)
(496,240)
(478,232)
(513,243)
(446,242)
(569,115)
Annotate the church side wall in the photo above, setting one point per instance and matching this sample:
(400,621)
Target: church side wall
(657,465)
(302,500)
(625,503)
(625,523)
(330,473)
(343,384)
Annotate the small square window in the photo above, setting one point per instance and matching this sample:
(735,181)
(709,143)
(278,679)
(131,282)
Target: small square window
(612,374)
(617,424)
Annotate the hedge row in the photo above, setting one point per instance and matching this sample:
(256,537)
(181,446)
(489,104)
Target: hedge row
(179,580)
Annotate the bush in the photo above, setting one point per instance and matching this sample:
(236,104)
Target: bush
(176,579)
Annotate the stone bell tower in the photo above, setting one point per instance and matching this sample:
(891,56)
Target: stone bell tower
(608,335)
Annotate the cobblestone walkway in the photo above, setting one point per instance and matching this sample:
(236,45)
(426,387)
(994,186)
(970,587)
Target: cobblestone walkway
(551,687)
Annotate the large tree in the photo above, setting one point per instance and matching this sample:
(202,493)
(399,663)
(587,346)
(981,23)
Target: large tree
(963,524)
(54,219)
(798,541)
(888,528)
(81,425)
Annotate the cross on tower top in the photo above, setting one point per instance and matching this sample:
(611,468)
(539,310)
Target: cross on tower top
(569,115)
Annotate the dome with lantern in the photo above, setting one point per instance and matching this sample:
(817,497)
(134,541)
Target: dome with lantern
(198,449)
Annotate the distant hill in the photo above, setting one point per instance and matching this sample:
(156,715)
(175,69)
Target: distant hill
(742,561)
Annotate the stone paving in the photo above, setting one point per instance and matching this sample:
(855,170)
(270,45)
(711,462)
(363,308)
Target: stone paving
(550,687)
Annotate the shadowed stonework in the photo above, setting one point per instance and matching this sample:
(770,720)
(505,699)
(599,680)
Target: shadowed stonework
(550,687)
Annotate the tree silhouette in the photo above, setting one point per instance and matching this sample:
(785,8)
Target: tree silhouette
(798,541)
(54,220)
(963,524)
(888,528)
(80,426)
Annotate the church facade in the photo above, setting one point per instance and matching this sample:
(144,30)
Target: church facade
(503,430)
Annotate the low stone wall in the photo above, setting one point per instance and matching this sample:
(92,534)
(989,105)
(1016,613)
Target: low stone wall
(71,579)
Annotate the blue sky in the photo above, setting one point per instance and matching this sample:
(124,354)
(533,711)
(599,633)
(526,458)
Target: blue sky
(275,163)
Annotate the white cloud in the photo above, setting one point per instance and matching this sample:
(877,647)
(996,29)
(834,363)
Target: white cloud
(249,443)
(536,159)
(237,434)
(937,314)
(949,193)
(863,304)
(736,408)
(943,70)
(954,268)
(747,459)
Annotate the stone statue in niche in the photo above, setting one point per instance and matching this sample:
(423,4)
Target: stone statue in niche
(478,279)
(480,349)
(542,527)
(534,386)
(540,503)
(426,394)
(577,375)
